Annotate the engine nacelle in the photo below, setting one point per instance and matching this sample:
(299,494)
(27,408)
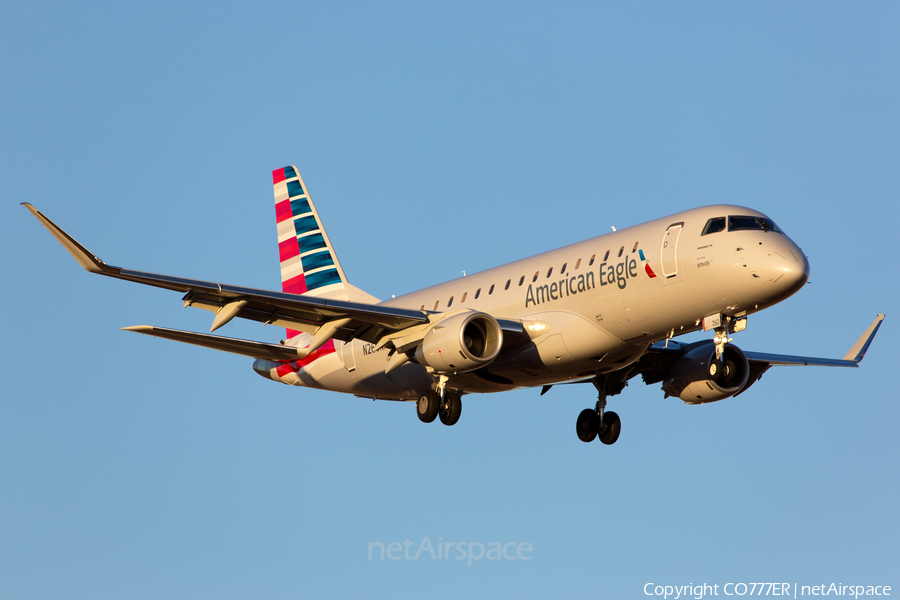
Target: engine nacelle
(461,343)
(699,377)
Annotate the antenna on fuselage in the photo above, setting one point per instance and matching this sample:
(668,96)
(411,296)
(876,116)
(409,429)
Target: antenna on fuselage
(613,227)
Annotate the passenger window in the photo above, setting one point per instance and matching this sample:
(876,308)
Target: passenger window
(577,264)
(634,248)
(522,279)
(508,281)
(605,256)
(491,290)
(562,270)
(549,272)
(463,299)
(533,279)
(422,308)
(621,250)
(593,256)
(450,302)
(714,226)
(477,293)
(436,304)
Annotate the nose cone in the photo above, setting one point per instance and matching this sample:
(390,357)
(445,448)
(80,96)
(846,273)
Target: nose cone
(787,268)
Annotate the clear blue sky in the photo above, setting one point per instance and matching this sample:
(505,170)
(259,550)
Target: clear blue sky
(434,138)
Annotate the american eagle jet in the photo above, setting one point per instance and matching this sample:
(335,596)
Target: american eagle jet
(602,311)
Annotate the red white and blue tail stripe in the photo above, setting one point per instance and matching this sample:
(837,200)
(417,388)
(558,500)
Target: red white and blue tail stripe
(308,262)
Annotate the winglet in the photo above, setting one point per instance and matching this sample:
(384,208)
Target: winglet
(85,257)
(858,351)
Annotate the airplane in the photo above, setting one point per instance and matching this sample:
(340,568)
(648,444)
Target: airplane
(600,311)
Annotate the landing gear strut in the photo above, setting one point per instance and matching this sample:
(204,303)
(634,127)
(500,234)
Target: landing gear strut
(599,422)
(721,338)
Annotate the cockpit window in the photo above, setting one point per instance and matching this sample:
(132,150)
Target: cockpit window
(714,225)
(754,223)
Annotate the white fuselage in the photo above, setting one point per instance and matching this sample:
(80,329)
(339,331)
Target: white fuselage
(590,307)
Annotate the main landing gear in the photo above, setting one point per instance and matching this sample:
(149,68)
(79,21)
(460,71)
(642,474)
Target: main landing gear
(431,405)
(591,424)
(598,422)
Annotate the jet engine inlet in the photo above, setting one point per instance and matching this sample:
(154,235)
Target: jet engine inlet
(698,377)
(461,343)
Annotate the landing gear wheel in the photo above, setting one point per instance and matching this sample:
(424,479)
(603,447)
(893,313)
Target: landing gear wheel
(587,425)
(612,426)
(451,408)
(427,406)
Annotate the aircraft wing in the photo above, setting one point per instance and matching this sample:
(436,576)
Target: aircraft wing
(340,319)
(851,359)
(659,358)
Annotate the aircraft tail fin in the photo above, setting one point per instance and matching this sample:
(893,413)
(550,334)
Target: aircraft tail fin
(308,261)
(309,264)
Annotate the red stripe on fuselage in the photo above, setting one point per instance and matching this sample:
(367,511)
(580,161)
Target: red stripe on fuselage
(294,366)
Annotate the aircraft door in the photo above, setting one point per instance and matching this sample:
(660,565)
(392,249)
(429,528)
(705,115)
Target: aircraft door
(669,247)
(347,356)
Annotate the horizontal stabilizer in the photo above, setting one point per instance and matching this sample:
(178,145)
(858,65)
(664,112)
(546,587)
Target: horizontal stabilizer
(275,352)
